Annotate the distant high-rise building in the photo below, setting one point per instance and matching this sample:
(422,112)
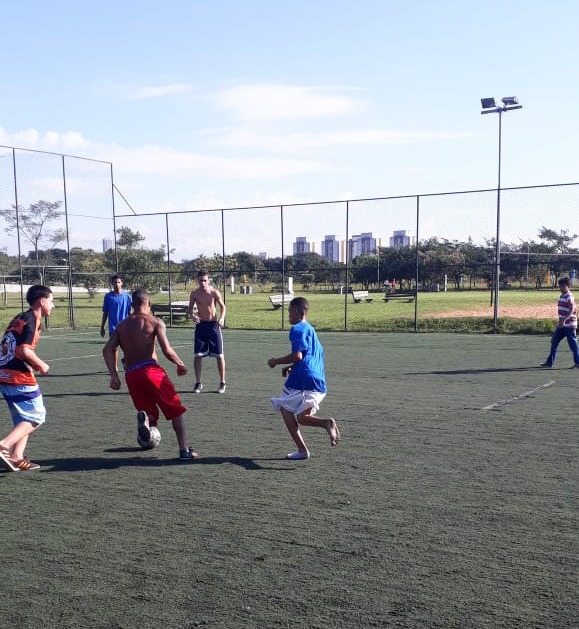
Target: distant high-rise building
(107,244)
(331,249)
(301,245)
(361,244)
(401,238)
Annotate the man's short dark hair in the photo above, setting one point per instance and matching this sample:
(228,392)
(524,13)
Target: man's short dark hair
(36,292)
(301,304)
(116,276)
(139,297)
(564,281)
(202,273)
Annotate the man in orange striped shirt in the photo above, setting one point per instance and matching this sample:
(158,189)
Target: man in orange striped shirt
(566,327)
(18,361)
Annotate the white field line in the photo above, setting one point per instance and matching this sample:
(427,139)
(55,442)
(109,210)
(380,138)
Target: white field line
(521,396)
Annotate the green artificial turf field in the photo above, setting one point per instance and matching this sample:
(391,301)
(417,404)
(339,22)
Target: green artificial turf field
(450,502)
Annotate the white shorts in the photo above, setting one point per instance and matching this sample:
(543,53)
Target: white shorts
(297,402)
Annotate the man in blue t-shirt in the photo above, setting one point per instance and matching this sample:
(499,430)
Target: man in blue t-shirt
(116,307)
(305,387)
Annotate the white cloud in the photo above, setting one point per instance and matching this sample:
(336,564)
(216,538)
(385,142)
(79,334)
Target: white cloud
(148,92)
(153,159)
(280,142)
(163,161)
(286,102)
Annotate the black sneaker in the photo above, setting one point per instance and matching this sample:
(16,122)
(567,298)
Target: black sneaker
(188,454)
(546,365)
(197,388)
(142,428)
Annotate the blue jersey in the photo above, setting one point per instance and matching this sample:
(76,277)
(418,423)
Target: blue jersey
(117,307)
(308,374)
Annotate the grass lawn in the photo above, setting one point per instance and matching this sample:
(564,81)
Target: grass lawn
(338,312)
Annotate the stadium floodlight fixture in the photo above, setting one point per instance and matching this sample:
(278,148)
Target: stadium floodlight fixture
(490,106)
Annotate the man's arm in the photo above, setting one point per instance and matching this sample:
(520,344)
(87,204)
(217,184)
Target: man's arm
(29,356)
(109,356)
(291,359)
(168,351)
(103,322)
(221,304)
(192,302)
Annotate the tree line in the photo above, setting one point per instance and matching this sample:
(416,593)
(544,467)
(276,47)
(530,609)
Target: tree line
(461,265)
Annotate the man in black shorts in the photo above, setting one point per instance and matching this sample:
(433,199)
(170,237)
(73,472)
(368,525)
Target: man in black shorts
(208,337)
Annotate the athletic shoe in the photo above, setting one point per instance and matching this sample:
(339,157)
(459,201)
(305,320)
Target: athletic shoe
(142,428)
(298,455)
(188,454)
(26,464)
(197,388)
(546,365)
(222,388)
(6,461)
(574,367)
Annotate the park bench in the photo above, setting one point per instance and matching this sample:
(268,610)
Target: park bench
(407,295)
(277,301)
(178,310)
(361,295)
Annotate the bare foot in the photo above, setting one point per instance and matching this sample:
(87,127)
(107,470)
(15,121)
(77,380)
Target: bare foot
(333,431)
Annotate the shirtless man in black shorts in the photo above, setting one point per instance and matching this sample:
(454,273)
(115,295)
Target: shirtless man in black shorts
(208,337)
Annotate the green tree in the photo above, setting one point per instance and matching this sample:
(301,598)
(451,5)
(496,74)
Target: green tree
(33,224)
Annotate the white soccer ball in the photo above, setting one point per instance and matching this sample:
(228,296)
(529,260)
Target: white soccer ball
(154,439)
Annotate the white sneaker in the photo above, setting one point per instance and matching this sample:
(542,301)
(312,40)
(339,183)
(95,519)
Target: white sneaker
(222,388)
(197,388)
(298,455)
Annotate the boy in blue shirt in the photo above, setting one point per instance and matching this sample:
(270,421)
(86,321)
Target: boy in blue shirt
(305,387)
(116,308)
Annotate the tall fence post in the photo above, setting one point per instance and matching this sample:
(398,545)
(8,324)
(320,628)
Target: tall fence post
(417,263)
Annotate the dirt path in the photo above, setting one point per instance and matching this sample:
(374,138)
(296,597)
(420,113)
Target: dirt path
(546,311)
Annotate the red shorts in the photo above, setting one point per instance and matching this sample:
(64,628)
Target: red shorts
(151,390)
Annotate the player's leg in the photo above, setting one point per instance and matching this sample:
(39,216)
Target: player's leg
(221,371)
(327,423)
(573,346)
(294,430)
(557,337)
(197,368)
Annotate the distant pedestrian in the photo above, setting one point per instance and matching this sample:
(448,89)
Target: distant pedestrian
(18,362)
(566,326)
(305,387)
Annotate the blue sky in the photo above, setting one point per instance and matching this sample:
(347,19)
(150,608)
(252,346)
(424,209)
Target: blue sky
(208,104)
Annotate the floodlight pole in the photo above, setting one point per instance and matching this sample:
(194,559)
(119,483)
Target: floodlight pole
(498,238)
(490,107)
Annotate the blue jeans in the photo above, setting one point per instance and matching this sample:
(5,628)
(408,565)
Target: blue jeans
(558,335)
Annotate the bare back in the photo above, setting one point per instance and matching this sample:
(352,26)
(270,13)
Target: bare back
(137,335)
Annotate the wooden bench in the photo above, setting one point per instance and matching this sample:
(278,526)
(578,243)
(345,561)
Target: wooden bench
(178,310)
(277,301)
(361,295)
(409,296)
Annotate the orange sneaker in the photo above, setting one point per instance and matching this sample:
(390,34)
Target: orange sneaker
(26,464)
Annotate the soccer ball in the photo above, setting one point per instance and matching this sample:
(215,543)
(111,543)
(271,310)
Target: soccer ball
(154,439)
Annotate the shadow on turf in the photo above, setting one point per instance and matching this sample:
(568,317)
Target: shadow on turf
(87,464)
(458,372)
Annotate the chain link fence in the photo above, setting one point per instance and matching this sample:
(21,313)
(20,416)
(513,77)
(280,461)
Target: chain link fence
(420,262)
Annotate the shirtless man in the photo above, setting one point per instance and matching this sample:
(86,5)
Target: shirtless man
(208,337)
(148,383)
